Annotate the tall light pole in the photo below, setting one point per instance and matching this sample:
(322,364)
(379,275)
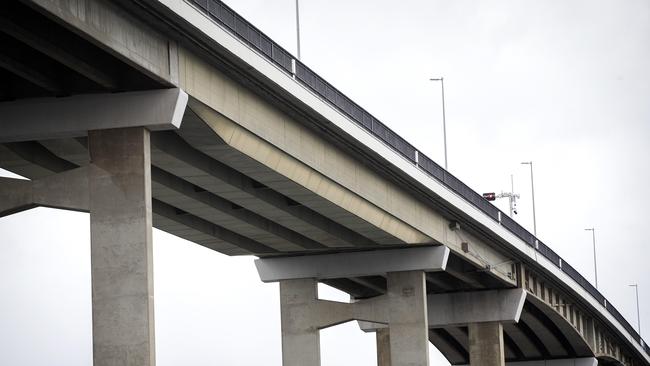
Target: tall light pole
(298,27)
(638,316)
(444,122)
(593,238)
(532,188)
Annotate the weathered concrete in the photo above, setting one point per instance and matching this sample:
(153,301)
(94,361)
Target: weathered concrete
(486,344)
(585,361)
(259,130)
(462,308)
(409,343)
(355,264)
(300,344)
(403,309)
(383,347)
(48,118)
(108,25)
(121,248)
(67,190)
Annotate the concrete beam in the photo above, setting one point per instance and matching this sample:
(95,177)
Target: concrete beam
(229,208)
(47,118)
(67,190)
(175,147)
(57,52)
(353,264)
(121,248)
(462,308)
(584,361)
(32,75)
(209,228)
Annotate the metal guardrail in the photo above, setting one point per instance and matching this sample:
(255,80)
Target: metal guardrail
(252,36)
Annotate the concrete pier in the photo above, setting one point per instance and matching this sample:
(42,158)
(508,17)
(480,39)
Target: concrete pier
(300,344)
(486,344)
(121,247)
(407,298)
(383,347)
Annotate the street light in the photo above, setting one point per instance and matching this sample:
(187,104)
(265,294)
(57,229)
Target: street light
(444,123)
(532,187)
(298,28)
(638,316)
(593,236)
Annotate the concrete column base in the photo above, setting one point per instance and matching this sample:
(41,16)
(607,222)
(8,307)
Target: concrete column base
(486,344)
(121,247)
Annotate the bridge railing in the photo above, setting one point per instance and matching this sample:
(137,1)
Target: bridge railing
(249,34)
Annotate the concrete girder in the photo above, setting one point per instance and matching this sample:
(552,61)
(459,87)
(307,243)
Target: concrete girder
(116,30)
(218,92)
(526,340)
(209,228)
(34,76)
(173,147)
(69,190)
(196,132)
(352,264)
(449,346)
(47,118)
(214,202)
(306,178)
(463,308)
(58,53)
(573,341)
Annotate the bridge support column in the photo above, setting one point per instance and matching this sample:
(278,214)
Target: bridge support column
(121,247)
(486,344)
(300,335)
(408,325)
(403,309)
(383,347)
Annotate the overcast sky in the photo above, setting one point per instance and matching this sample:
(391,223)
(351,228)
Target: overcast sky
(565,84)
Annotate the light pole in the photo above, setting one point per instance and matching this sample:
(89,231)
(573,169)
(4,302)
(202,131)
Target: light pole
(444,122)
(593,237)
(532,188)
(298,27)
(638,316)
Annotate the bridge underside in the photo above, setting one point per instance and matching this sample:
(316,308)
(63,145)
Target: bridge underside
(219,198)
(209,192)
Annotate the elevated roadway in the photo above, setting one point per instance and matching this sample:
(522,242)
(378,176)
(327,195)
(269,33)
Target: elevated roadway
(184,116)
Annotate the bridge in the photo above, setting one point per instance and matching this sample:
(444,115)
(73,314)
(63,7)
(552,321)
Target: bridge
(183,116)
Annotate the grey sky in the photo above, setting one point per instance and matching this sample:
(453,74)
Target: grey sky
(563,83)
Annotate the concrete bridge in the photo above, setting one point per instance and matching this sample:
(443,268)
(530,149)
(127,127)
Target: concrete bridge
(183,116)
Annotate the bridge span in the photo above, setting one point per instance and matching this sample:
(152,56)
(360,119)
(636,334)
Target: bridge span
(182,115)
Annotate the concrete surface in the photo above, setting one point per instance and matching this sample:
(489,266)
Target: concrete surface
(121,248)
(74,116)
(486,344)
(409,342)
(354,264)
